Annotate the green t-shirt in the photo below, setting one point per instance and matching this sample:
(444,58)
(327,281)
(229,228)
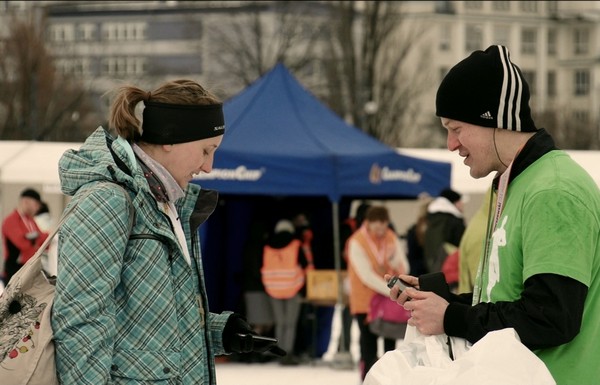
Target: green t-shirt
(551,224)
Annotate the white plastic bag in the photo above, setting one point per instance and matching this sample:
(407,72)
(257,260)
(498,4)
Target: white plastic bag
(498,358)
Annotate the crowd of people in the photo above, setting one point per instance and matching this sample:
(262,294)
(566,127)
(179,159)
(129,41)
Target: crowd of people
(132,301)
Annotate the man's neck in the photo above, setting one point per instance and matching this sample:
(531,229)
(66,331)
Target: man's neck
(509,145)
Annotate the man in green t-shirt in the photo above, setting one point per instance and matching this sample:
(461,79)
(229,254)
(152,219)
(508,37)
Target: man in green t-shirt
(539,272)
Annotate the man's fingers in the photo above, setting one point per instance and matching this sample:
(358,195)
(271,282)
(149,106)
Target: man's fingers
(415,294)
(412,281)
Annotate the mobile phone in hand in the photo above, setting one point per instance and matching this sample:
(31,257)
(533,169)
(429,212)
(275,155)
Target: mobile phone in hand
(396,281)
(262,344)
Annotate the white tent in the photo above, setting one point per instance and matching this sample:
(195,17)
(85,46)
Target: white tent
(35,164)
(404,213)
(31,164)
(464,183)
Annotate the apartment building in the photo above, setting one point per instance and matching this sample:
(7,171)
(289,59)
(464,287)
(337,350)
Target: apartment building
(556,44)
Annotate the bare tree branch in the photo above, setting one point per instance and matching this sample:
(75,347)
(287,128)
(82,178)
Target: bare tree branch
(35,102)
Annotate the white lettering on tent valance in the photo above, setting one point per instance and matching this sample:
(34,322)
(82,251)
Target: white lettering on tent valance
(238,173)
(385,174)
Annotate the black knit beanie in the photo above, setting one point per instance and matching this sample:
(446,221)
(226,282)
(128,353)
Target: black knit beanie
(31,193)
(486,89)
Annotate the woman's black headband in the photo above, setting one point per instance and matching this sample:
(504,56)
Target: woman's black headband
(175,123)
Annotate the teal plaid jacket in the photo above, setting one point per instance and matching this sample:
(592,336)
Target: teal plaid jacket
(128,308)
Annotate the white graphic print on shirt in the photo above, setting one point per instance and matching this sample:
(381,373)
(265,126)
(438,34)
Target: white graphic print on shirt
(498,239)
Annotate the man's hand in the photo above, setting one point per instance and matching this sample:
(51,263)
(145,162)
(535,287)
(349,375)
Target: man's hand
(395,293)
(427,311)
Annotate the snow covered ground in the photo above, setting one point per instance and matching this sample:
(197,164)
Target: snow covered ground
(323,371)
(272,373)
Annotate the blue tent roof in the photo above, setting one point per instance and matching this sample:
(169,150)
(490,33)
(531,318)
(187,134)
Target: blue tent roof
(281,140)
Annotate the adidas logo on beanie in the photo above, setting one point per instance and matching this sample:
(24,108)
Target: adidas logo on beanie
(486,89)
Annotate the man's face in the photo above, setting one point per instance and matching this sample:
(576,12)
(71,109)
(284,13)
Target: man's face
(475,144)
(30,206)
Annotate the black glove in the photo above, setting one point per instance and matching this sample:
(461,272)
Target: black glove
(239,337)
(435,282)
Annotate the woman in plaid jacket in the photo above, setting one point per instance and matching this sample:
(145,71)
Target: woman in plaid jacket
(131,305)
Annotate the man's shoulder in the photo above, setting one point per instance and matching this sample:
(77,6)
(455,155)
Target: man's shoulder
(10,217)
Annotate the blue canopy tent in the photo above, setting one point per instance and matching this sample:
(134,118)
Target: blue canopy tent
(280,140)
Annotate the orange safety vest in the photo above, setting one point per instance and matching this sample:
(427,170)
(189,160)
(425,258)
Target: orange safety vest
(281,274)
(360,294)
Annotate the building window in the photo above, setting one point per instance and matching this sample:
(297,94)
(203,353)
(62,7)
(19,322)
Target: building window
(445,38)
(528,41)
(528,6)
(502,35)
(474,38)
(581,40)
(62,32)
(551,85)
(581,116)
(124,31)
(501,5)
(473,4)
(444,7)
(76,66)
(551,6)
(124,66)
(551,42)
(530,78)
(86,32)
(582,82)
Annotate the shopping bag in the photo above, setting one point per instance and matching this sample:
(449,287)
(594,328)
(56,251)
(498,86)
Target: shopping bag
(498,358)
(386,318)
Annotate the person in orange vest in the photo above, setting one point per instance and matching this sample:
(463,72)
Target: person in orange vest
(347,228)
(283,275)
(373,250)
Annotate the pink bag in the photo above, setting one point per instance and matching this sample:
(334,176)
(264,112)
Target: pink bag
(386,318)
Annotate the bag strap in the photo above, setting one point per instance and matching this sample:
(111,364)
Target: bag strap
(66,214)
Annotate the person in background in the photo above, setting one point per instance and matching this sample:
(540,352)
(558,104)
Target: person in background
(21,236)
(373,250)
(415,240)
(540,272)
(257,303)
(44,221)
(304,234)
(471,244)
(347,228)
(284,276)
(450,267)
(445,224)
(130,304)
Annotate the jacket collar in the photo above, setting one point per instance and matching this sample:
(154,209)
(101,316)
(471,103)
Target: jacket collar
(537,146)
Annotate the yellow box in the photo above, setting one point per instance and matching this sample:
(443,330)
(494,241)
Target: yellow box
(322,285)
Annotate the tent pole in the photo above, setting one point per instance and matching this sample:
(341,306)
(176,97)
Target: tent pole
(342,358)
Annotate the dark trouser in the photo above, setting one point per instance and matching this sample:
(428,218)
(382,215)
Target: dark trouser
(368,344)
(346,330)
(11,266)
(285,312)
